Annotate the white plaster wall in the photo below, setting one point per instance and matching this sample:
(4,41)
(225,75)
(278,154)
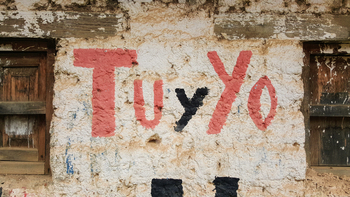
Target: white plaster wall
(270,162)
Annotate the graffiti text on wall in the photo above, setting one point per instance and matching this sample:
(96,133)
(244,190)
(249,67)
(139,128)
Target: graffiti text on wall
(104,62)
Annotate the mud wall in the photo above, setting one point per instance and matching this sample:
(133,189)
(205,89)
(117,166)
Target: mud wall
(194,98)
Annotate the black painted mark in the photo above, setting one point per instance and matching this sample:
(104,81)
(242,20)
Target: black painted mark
(167,188)
(226,186)
(191,106)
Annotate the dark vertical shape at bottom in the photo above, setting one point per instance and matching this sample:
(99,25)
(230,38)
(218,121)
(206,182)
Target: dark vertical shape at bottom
(167,188)
(226,186)
(0,191)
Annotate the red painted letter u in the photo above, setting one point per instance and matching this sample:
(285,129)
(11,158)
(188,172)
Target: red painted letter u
(139,102)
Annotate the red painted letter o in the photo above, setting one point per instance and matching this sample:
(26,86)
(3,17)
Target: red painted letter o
(254,103)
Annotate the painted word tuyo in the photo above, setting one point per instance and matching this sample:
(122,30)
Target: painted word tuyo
(104,62)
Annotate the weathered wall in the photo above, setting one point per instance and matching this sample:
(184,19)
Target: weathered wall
(175,42)
(271,160)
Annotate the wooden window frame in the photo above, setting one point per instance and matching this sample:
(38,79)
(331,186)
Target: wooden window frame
(310,49)
(45,108)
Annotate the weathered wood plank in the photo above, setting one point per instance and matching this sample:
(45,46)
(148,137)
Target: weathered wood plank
(13,167)
(22,45)
(2,132)
(314,141)
(291,26)
(49,98)
(338,171)
(329,48)
(329,79)
(60,24)
(29,107)
(334,149)
(19,59)
(229,26)
(309,141)
(328,140)
(330,110)
(41,136)
(18,154)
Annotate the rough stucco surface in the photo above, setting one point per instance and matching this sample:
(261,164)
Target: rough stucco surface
(272,160)
(172,42)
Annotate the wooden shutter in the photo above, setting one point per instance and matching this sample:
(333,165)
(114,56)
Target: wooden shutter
(25,115)
(329,106)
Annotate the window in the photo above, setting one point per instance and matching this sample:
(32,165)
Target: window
(327,106)
(26,90)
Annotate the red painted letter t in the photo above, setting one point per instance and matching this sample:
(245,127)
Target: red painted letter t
(103,62)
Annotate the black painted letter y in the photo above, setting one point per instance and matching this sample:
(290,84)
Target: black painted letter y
(191,106)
